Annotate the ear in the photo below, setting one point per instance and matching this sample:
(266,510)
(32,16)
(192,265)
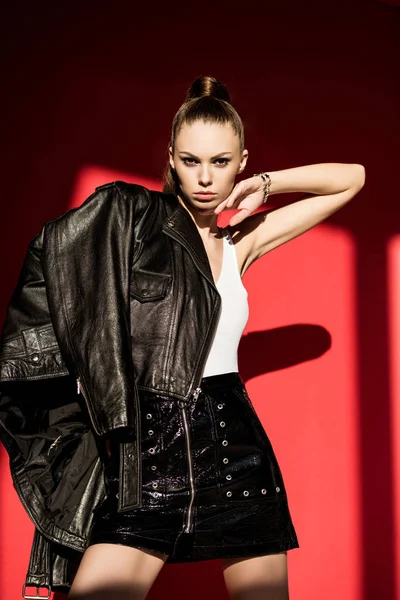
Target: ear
(171,158)
(243,160)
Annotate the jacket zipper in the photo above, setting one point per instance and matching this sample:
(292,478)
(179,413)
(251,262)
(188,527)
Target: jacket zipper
(188,525)
(177,236)
(194,389)
(54,444)
(80,390)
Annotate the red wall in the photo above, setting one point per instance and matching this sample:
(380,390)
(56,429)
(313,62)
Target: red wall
(89,96)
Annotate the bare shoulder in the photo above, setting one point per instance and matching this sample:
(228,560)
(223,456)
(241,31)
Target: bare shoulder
(243,236)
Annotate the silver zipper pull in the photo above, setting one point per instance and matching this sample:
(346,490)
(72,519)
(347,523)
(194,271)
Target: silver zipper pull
(54,444)
(196,393)
(78,385)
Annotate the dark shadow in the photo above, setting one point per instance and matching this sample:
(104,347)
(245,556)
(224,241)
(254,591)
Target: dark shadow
(281,348)
(95,86)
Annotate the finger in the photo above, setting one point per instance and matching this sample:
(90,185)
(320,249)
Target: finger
(235,195)
(239,217)
(220,207)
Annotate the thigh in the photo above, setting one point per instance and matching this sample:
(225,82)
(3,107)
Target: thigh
(257,577)
(116,571)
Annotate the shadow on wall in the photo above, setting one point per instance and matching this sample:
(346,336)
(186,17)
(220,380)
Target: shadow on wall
(96,86)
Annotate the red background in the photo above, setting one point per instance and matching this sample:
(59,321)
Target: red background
(89,93)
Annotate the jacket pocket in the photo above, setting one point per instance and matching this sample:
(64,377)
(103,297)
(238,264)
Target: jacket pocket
(147,286)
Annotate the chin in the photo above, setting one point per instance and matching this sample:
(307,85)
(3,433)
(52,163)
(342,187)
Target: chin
(204,211)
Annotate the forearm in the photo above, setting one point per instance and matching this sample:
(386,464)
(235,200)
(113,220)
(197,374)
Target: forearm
(322,178)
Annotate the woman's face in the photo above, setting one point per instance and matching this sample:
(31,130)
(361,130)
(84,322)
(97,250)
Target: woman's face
(207,159)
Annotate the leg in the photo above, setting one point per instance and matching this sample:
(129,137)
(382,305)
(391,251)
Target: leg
(116,571)
(257,577)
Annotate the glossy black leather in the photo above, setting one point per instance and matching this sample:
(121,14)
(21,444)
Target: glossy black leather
(240,506)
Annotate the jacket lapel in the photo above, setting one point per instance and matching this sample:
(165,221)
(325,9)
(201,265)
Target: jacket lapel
(180,226)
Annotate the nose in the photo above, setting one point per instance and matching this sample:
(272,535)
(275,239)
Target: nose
(205,178)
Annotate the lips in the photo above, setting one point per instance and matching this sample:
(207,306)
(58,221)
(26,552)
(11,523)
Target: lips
(204,195)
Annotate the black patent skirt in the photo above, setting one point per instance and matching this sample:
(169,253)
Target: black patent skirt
(212,486)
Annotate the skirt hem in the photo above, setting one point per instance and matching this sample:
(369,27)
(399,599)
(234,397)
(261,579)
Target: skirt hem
(179,553)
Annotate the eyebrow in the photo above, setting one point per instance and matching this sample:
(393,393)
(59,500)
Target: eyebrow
(212,158)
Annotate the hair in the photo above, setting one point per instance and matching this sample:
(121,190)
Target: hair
(206,100)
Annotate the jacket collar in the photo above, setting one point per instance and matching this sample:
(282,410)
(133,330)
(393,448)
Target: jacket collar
(180,226)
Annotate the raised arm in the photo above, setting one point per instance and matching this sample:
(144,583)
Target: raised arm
(327,186)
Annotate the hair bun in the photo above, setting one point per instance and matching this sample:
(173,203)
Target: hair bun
(208,86)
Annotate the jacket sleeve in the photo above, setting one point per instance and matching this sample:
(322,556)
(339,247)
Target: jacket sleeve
(28,347)
(87,261)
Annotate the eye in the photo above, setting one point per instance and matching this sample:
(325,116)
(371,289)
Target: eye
(189,161)
(221,162)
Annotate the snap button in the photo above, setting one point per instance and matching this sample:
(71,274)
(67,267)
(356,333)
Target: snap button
(155,485)
(117,495)
(263,491)
(229,494)
(222,424)
(245,493)
(130,455)
(151,450)
(153,467)
(225,461)
(220,406)
(151,432)
(35,357)
(278,489)
(148,416)
(225,442)
(229,477)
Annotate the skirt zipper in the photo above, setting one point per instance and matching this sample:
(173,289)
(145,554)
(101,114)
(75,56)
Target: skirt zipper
(188,525)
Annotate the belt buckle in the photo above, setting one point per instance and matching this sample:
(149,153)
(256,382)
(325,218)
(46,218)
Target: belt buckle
(48,587)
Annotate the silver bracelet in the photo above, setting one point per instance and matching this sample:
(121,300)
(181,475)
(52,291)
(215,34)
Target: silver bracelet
(267,184)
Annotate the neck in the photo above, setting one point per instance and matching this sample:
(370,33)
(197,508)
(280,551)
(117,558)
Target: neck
(206,224)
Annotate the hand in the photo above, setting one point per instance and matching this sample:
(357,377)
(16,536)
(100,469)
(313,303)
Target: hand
(246,196)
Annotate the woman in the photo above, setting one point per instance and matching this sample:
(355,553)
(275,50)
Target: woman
(210,485)
(227,446)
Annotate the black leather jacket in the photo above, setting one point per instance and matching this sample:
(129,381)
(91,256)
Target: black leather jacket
(114,297)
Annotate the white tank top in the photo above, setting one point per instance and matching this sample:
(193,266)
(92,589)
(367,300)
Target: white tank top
(223,354)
